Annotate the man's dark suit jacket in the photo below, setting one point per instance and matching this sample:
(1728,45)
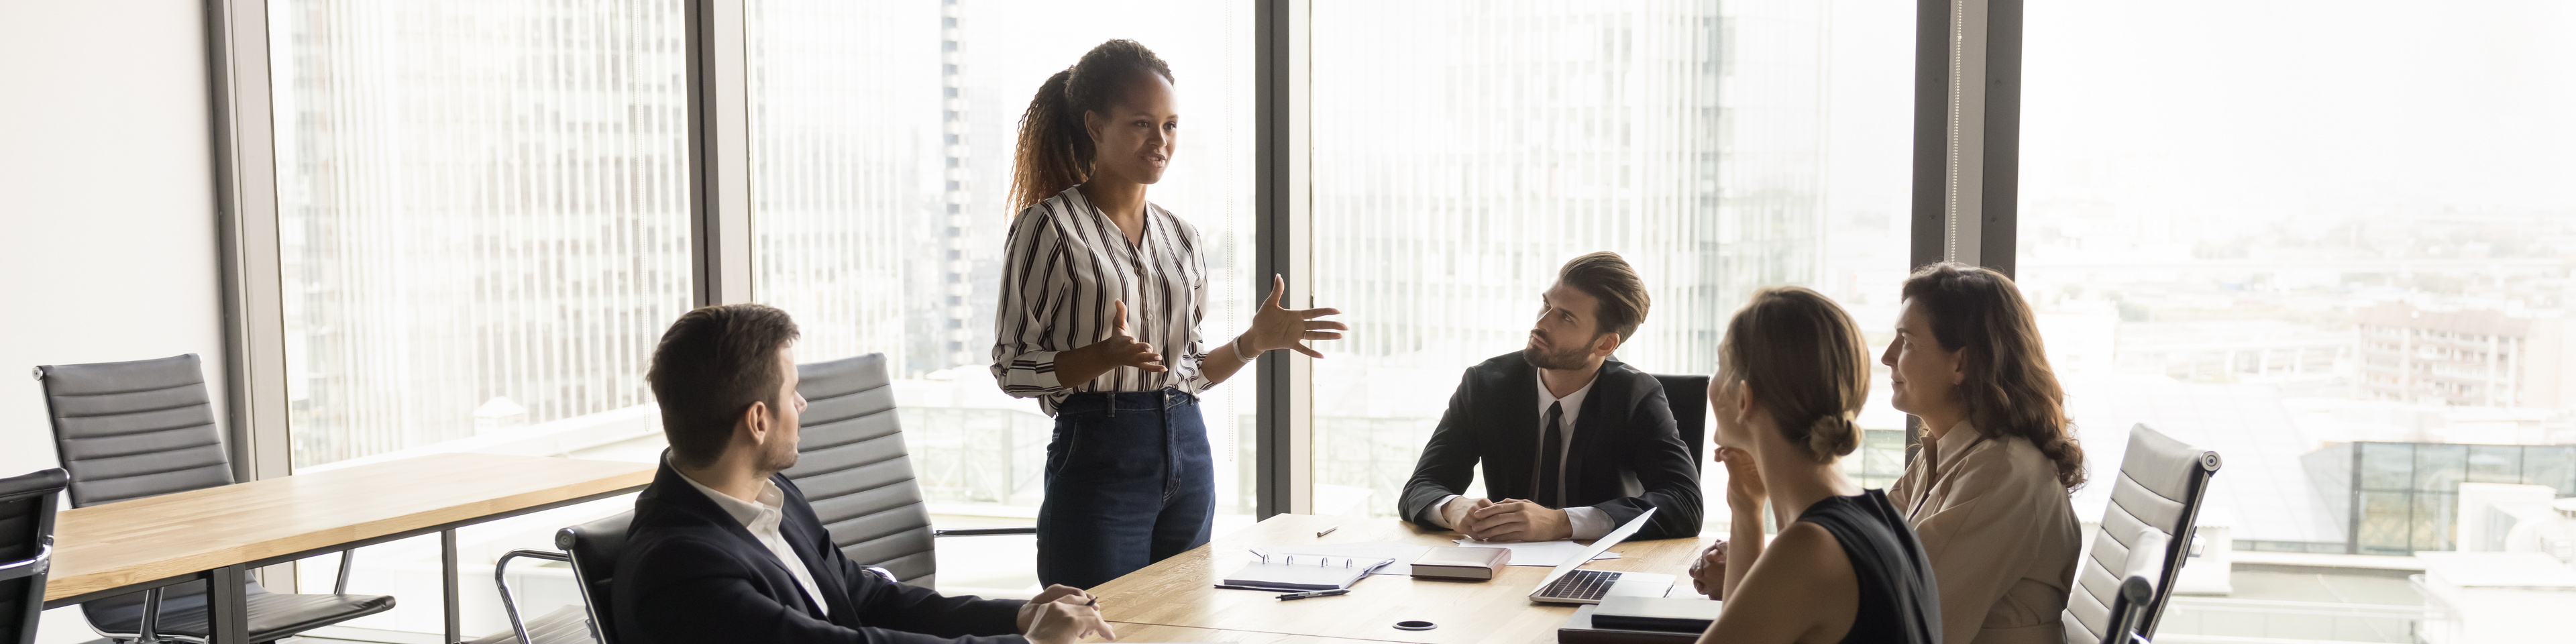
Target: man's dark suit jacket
(693,574)
(1625,429)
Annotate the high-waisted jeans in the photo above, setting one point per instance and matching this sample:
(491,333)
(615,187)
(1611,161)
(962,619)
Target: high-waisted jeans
(1129,481)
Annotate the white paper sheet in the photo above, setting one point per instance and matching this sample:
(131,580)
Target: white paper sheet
(1539,553)
(1403,553)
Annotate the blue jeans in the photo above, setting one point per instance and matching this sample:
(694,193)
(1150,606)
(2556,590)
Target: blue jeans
(1129,482)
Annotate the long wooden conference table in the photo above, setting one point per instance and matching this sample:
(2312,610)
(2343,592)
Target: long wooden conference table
(220,533)
(1176,600)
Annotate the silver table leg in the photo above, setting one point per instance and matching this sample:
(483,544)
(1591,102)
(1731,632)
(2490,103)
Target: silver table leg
(447,583)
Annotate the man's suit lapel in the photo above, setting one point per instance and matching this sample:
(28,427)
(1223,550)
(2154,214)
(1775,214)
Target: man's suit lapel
(688,497)
(1515,447)
(803,539)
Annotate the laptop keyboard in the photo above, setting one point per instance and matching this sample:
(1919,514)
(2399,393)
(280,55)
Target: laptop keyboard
(1582,585)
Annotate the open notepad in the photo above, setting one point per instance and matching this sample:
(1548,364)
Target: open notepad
(1304,572)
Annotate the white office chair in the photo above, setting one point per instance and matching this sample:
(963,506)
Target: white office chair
(2140,547)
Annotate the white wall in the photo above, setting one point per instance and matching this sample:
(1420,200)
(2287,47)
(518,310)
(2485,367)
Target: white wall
(107,219)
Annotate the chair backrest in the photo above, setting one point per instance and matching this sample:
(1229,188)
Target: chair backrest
(2155,504)
(1688,396)
(129,430)
(594,547)
(26,549)
(852,466)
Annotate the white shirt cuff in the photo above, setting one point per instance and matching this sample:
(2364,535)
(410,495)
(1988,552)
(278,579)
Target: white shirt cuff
(1440,512)
(1588,522)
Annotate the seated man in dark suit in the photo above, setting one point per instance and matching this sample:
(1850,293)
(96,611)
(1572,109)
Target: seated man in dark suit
(1574,443)
(725,549)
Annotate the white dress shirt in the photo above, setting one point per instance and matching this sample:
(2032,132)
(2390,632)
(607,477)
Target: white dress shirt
(1587,522)
(762,520)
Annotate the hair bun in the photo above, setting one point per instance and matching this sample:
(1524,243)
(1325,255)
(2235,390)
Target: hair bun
(1836,434)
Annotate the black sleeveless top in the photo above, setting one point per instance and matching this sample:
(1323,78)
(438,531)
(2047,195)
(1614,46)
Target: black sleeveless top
(1899,603)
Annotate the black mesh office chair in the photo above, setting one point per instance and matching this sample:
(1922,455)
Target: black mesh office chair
(26,549)
(853,468)
(129,430)
(592,549)
(1688,396)
(2145,536)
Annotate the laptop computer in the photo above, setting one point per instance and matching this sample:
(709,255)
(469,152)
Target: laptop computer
(1568,584)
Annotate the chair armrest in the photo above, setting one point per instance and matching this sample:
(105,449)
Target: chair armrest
(983,532)
(31,566)
(2137,592)
(501,579)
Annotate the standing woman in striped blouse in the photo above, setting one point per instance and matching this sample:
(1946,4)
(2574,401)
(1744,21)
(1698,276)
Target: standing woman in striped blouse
(1102,293)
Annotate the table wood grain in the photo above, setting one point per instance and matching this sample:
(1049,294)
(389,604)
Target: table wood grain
(1144,633)
(130,542)
(1179,592)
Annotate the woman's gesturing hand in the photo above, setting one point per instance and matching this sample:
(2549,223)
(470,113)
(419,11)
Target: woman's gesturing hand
(1279,328)
(1120,349)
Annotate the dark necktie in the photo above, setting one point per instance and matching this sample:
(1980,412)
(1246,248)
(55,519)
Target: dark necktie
(1551,460)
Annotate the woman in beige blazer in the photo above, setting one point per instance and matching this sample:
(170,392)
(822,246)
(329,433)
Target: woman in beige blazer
(1987,494)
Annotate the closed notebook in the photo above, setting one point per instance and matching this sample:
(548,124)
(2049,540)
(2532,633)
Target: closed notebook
(1304,572)
(1580,628)
(1462,563)
(1673,614)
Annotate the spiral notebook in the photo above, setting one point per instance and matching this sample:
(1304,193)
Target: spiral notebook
(1304,572)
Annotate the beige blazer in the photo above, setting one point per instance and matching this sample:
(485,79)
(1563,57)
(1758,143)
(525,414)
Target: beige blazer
(2001,532)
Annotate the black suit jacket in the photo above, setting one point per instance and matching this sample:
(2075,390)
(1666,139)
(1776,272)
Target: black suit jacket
(1625,429)
(692,574)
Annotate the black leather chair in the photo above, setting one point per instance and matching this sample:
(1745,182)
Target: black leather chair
(853,468)
(129,430)
(1688,396)
(2143,542)
(26,549)
(592,549)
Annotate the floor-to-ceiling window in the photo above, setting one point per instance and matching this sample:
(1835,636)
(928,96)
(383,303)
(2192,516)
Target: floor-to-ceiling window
(483,224)
(881,146)
(1463,151)
(2330,240)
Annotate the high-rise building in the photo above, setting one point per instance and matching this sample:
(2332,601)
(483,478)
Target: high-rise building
(1451,186)
(2468,357)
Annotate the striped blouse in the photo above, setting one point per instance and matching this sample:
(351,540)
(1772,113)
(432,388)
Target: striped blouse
(1064,263)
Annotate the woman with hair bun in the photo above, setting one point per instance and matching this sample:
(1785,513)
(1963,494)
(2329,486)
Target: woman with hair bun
(1102,293)
(1792,372)
(1988,493)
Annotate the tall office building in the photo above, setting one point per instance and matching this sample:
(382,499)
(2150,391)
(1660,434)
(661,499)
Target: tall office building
(477,204)
(1463,153)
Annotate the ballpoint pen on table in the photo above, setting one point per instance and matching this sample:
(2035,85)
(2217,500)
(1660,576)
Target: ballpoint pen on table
(1320,535)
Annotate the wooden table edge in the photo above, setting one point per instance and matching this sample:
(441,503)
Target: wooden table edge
(237,555)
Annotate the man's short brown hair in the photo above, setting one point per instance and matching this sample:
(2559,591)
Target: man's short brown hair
(711,365)
(1607,277)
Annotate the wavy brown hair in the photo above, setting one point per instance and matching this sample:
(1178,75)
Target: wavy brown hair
(2008,386)
(1807,364)
(1054,151)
